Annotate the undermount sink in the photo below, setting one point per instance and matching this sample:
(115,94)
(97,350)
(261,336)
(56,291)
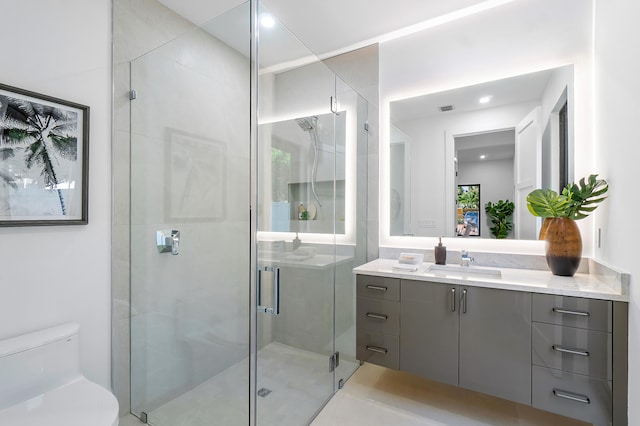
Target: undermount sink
(465,270)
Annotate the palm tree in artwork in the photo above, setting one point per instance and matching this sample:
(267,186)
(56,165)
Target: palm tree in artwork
(46,134)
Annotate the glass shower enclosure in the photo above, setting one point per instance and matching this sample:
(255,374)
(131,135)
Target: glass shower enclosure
(243,226)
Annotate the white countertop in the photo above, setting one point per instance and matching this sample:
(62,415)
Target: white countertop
(580,285)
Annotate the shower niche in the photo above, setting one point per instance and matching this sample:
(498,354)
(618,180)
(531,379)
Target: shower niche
(319,218)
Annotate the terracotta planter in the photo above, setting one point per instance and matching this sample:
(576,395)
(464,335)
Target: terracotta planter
(563,246)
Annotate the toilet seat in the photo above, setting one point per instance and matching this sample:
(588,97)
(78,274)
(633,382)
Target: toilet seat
(77,403)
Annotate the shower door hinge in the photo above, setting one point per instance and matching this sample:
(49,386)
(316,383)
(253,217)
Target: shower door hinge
(366,126)
(132,95)
(334,361)
(143,417)
(334,105)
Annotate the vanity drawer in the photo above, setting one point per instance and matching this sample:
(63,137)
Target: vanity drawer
(378,315)
(379,287)
(572,395)
(378,348)
(578,312)
(573,350)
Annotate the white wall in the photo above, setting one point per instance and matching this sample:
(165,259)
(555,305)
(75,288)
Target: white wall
(50,275)
(617,68)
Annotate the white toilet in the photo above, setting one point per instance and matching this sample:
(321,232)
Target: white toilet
(41,382)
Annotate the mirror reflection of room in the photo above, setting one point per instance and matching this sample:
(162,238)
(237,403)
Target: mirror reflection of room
(508,136)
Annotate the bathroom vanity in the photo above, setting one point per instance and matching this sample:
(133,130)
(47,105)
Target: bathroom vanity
(556,343)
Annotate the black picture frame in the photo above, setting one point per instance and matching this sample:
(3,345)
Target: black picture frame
(468,216)
(44,159)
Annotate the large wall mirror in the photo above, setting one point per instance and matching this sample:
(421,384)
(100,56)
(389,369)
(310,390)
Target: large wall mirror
(504,137)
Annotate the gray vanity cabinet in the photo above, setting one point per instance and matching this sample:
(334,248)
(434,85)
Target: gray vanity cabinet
(429,330)
(563,354)
(473,337)
(378,320)
(579,358)
(495,342)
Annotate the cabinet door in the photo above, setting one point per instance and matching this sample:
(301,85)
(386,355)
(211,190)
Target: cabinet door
(495,342)
(429,330)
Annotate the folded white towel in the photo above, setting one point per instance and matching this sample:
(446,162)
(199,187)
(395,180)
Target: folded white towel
(405,267)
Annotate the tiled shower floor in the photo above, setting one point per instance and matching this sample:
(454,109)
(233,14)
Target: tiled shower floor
(296,378)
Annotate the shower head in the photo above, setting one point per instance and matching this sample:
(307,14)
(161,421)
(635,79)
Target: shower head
(307,124)
(310,124)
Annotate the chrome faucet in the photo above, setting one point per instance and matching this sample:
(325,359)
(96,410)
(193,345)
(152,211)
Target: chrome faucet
(465,259)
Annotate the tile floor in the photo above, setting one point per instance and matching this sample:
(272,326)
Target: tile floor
(379,396)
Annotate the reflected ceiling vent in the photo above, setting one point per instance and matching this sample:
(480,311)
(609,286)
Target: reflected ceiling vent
(446,108)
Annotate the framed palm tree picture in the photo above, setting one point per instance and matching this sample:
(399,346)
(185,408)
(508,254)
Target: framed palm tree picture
(44,153)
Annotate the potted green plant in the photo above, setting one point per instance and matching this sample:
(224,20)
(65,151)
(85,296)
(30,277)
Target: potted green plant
(563,243)
(501,216)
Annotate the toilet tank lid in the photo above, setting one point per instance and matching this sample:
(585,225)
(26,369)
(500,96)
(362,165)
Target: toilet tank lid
(36,339)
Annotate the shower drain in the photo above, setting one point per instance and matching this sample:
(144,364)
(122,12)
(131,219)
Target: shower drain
(264,392)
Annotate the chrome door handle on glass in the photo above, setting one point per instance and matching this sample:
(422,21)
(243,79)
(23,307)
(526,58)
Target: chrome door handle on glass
(274,309)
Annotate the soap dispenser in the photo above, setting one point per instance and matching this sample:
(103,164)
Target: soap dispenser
(440,253)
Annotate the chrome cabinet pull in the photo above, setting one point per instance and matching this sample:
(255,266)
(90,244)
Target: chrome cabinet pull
(376,287)
(572,396)
(464,301)
(376,316)
(376,349)
(568,312)
(570,351)
(453,300)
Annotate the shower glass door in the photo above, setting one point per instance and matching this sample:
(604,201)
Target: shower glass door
(311,132)
(296,205)
(190,173)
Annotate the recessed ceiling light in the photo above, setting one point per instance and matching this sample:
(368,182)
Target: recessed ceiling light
(267,21)
(482,157)
(485,99)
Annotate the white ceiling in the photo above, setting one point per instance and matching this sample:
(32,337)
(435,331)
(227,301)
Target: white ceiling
(519,89)
(331,25)
(493,146)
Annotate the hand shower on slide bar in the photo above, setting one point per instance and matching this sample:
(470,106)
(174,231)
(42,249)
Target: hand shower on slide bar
(310,124)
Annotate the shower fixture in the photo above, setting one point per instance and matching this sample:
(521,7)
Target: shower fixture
(310,124)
